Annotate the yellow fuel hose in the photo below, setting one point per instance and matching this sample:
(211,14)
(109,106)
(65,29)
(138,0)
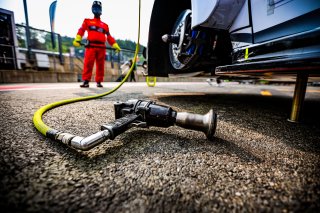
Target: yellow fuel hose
(37,117)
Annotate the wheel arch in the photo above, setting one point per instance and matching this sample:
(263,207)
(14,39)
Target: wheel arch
(163,17)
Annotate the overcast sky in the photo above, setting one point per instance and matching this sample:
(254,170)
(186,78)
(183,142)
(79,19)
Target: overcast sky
(120,15)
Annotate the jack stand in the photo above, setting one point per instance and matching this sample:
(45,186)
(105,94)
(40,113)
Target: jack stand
(298,97)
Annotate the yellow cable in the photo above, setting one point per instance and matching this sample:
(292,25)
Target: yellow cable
(246,54)
(154,79)
(37,117)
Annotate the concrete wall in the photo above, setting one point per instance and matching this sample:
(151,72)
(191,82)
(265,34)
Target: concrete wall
(19,76)
(67,73)
(56,73)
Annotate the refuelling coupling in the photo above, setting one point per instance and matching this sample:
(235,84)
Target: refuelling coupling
(205,123)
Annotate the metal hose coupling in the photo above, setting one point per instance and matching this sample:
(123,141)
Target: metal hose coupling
(83,143)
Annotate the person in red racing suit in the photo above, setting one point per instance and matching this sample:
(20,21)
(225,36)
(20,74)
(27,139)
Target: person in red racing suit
(98,34)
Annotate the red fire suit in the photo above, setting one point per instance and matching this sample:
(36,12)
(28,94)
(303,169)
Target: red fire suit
(98,34)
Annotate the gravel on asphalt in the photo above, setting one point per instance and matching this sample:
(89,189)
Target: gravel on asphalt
(258,161)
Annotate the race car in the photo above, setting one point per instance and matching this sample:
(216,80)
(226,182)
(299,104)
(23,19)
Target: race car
(237,39)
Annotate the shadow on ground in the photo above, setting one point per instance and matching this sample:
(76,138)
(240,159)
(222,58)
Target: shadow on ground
(267,115)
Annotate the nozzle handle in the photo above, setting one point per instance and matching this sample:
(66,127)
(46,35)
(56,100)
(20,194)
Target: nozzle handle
(206,123)
(120,125)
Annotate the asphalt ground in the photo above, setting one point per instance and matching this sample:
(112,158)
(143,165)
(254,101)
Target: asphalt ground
(257,162)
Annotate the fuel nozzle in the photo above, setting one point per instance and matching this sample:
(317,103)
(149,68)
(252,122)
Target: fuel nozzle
(153,114)
(139,113)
